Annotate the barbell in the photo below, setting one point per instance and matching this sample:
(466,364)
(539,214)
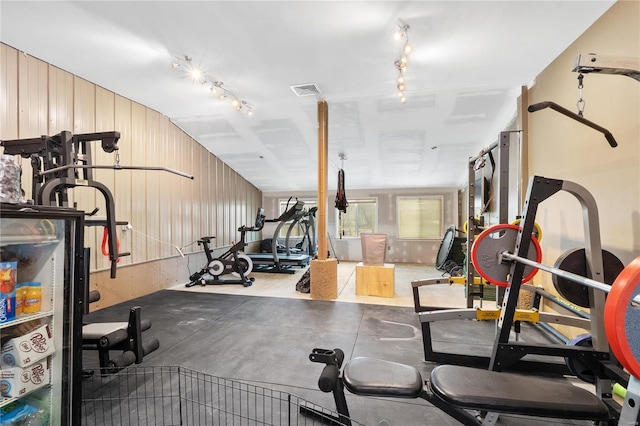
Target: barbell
(492,258)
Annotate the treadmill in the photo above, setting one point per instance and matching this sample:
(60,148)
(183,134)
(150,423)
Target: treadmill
(280,263)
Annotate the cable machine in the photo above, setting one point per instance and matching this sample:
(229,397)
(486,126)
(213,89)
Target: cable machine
(64,161)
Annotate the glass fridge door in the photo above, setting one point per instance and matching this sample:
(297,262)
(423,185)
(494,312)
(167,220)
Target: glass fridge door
(40,317)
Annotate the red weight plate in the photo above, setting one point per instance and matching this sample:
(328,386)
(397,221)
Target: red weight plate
(621,318)
(495,240)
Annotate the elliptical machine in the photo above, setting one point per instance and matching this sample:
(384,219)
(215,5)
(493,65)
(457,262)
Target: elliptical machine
(231,262)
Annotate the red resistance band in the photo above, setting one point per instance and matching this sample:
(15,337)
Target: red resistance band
(105,240)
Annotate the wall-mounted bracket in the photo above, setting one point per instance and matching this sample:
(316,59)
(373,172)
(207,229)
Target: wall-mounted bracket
(608,64)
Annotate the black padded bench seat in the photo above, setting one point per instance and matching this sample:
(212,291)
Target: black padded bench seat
(377,377)
(473,388)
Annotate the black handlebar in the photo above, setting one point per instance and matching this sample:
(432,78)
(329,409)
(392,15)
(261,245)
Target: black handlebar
(330,373)
(328,378)
(552,105)
(288,214)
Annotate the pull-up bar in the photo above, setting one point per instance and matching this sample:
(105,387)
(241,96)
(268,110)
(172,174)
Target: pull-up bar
(483,152)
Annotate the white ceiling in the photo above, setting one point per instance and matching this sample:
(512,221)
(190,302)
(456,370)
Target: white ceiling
(470,59)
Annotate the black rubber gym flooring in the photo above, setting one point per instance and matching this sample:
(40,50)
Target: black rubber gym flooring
(267,341)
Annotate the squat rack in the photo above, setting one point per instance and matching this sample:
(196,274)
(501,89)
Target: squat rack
(474,283)
(502,145)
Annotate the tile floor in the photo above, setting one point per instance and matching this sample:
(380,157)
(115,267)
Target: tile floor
(283,285)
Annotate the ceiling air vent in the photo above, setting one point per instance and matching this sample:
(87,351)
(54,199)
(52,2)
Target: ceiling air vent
(309,89)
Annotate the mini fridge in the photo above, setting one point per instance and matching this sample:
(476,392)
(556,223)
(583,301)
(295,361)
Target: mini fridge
(42,293)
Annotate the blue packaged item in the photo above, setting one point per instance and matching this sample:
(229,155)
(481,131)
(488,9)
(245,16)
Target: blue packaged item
(8,280)
(14,412)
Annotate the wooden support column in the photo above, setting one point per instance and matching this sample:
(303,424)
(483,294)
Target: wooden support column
(324,271)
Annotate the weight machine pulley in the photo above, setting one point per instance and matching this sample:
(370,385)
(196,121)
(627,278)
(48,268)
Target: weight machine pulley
(599,64)
(607,64)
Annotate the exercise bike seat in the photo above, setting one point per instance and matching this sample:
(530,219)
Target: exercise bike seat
(377,377)
(492,391)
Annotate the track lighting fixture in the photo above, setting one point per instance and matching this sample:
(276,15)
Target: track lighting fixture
(216,87)
(402,34)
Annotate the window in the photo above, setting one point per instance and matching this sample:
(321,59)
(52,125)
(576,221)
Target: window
(298,230)
(361,216)
(420,217)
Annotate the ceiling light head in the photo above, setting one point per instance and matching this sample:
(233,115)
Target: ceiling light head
(196,74)
(403,59)
(215,86)
(402,30)
(244,105)
(403,99)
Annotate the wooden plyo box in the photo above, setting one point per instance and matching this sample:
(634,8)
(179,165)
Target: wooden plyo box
(375,280)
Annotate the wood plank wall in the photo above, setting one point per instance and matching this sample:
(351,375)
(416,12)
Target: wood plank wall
(165,210)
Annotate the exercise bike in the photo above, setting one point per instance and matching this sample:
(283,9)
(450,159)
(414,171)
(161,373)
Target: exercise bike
(233,261)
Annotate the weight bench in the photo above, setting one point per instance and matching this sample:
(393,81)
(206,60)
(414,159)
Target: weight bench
(121,336)
(491,391)
(456,389)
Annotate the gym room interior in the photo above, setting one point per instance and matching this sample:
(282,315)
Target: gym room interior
(337,220)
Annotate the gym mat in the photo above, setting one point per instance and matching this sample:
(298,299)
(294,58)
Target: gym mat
(267,341)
